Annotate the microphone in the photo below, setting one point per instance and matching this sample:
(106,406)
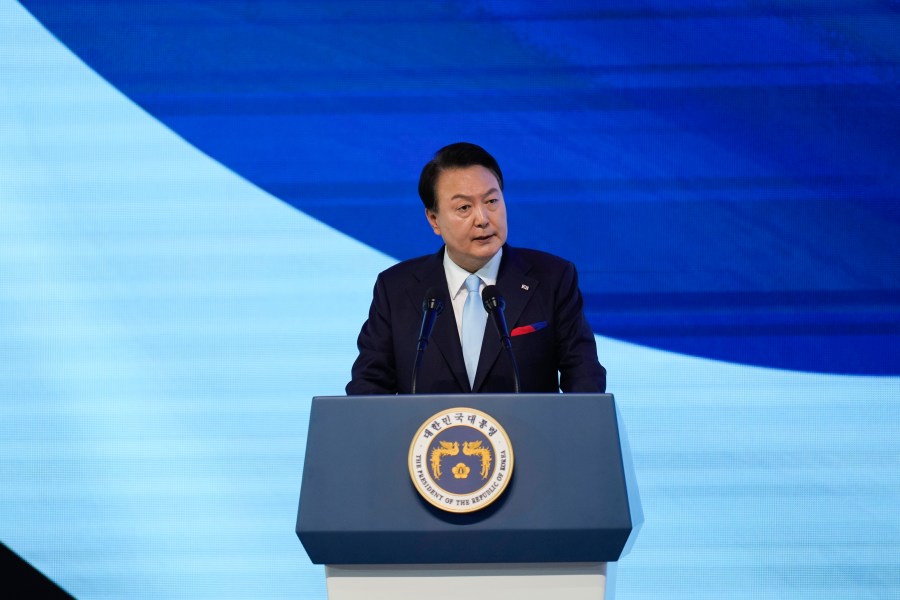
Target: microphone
(494,304)
(431,308)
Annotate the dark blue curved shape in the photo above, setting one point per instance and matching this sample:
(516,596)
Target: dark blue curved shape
(724,176)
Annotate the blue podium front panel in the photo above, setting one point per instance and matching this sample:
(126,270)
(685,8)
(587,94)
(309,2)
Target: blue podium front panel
(567,500)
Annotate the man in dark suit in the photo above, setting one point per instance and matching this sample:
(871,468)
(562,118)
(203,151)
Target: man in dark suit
(462,189)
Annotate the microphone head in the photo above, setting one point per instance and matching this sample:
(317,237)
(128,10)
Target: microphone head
(492,299)
(432,301)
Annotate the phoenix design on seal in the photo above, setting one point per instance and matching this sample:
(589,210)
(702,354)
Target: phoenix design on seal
(446,449)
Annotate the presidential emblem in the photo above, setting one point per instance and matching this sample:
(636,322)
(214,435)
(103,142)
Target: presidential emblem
(460,460)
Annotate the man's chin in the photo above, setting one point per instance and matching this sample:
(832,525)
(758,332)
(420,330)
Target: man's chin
(487,249)
(477,257)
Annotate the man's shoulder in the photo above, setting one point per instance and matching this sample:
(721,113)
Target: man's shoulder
(412,266)
(538,259)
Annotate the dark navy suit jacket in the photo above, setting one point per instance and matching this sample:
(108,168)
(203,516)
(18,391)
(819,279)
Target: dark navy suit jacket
(541,290)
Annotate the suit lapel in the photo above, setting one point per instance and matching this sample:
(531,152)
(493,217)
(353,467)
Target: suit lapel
(517,289)
(444,336)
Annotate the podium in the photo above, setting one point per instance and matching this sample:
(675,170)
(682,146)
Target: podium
(570,506)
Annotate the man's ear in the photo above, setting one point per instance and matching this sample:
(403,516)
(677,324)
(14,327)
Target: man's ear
(432,220)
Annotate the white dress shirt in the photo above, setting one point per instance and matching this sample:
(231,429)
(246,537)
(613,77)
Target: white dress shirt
(456,282)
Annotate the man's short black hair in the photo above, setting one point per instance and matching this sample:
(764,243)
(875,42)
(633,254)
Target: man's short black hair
(455,156)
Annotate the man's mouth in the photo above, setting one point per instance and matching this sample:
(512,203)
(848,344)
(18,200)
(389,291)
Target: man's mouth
(483,238)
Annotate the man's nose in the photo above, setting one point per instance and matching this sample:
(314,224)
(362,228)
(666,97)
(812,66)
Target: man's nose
(481,215)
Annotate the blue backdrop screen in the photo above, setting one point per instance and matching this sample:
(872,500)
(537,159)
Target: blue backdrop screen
(197,196)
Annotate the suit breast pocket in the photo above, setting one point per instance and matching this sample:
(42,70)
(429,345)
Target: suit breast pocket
(533,347)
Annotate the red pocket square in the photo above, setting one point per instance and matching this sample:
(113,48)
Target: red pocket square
(528,328)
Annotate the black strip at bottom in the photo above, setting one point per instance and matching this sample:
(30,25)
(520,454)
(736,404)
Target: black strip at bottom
(18,579)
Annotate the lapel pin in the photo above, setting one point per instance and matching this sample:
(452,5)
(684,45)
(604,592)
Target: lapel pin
(524,287)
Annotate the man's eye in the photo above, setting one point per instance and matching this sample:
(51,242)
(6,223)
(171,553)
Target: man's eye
(463,208)
(491,201)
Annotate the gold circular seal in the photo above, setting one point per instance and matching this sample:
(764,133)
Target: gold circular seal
(460,460)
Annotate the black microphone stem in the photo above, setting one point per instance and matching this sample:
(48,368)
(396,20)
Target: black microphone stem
(494,304)
(431,308)
(420,352)
(507,343)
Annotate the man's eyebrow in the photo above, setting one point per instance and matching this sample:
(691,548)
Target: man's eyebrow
(490,192)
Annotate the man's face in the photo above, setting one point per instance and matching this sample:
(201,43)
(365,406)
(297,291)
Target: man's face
(470,215)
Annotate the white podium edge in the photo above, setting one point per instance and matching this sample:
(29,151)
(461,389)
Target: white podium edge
(513,581)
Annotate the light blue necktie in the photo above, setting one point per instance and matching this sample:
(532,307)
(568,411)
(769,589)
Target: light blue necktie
(473,321)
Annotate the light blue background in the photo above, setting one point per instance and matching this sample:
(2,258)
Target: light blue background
(164,322)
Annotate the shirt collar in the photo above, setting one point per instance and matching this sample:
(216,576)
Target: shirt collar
(456,275)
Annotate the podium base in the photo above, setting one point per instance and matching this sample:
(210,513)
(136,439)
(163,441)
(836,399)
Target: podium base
(527,581)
